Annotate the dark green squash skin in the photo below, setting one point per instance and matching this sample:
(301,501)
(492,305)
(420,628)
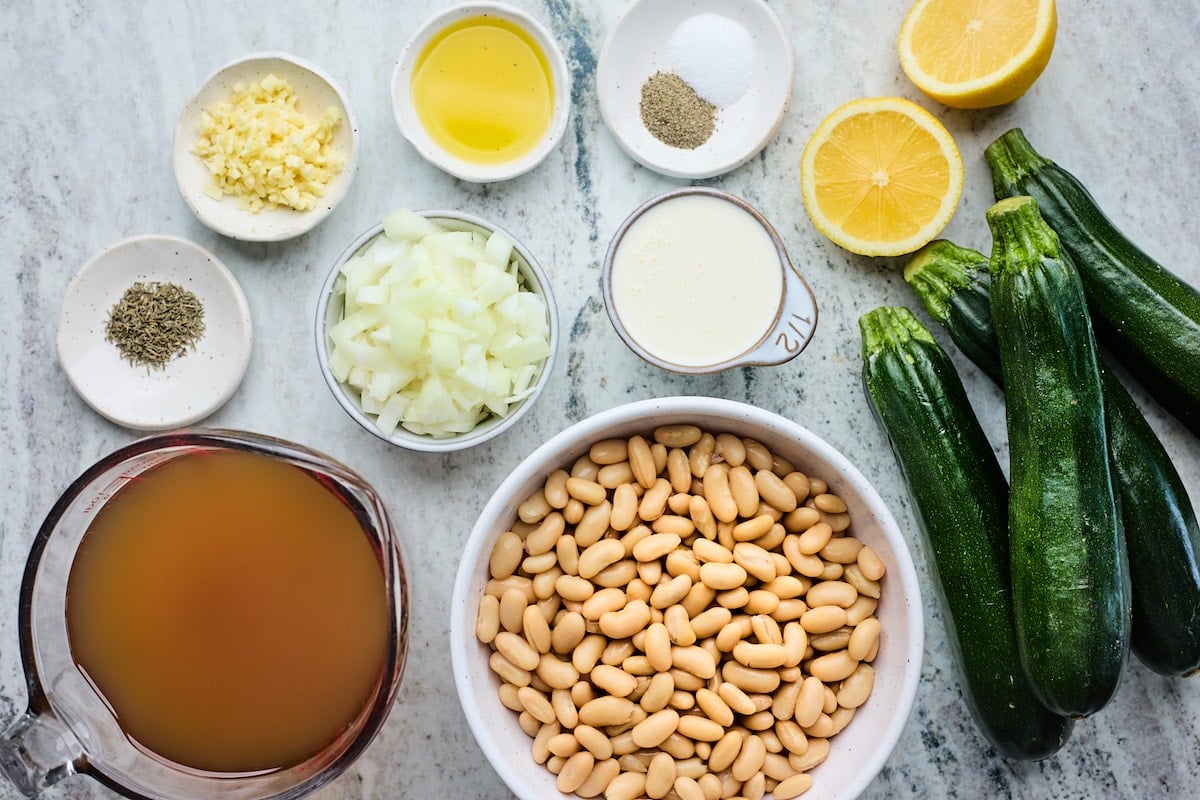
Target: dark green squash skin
(960,502)
(954,285)
(1070,574)
(1144,314)
(1162,535)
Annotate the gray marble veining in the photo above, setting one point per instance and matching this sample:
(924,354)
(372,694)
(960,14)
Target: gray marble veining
(91,94)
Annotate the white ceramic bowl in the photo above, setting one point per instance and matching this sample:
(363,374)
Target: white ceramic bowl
(637,46)
(187,388)
(329,313)
(859,751)
(315,91)
(414,131)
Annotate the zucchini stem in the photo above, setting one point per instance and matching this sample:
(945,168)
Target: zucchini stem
(889,326)
(1012,159)
(1020,235)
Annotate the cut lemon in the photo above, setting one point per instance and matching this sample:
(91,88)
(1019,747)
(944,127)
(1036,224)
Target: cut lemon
(977,53)
(881,176)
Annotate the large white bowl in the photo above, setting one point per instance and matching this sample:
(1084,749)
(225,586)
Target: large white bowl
(859,751)
(329,313)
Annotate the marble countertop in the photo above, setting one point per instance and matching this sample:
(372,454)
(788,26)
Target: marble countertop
(92,92)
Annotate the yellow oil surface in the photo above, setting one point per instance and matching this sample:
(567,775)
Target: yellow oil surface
(483,91)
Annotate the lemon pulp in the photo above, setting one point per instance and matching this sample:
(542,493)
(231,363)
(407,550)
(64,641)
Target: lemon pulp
(881,176)
(483,91)
(977,53)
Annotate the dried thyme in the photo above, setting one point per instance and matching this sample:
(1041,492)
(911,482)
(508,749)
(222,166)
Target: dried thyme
(154,323)
(673,112)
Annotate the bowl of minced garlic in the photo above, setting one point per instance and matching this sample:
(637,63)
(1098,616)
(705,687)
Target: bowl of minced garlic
(266,148)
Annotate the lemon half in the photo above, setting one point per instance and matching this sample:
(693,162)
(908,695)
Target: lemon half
(977,53)
(881,176)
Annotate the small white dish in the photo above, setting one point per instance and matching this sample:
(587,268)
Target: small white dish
(315,92)
(189,387)
(637,47)
(414,131)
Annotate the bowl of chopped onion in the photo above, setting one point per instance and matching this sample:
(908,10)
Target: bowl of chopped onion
(436,330)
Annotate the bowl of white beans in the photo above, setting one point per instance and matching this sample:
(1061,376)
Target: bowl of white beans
(687,597)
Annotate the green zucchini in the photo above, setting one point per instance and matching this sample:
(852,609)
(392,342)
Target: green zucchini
(1147,316)
(1070,576)
(1162,535)
(960,502)
(954,285)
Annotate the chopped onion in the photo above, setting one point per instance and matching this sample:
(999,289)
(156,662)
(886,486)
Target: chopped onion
(437,331)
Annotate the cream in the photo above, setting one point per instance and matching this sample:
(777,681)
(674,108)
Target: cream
(696,280)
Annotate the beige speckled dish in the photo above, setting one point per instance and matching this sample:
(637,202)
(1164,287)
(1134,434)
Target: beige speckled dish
(188,388)
(315,91)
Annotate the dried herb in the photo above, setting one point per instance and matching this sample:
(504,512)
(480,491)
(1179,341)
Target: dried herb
(673,112)
(155,322)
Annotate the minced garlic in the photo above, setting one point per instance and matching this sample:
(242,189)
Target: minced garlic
(263,151)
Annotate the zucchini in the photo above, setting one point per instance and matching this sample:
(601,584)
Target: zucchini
(1148,317)
(1162,535)
(1070,576)
(954,285)
(960,499)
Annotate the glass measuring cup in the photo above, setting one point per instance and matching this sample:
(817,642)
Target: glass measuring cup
(69,728)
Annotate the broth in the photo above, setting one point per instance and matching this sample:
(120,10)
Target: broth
(231,611)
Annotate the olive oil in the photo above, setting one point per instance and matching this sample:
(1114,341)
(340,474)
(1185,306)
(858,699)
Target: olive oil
(231,611)
(483,90)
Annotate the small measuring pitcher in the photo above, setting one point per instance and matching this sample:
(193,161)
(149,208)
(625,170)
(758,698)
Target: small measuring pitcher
(69,728)
(783,328)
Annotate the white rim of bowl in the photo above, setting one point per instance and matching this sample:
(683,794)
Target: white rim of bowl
(306,220)
(401,437)
(462,606)
(413,131)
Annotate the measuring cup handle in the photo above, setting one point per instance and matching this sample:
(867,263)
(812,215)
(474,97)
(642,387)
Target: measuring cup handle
(36,752)
(795,325)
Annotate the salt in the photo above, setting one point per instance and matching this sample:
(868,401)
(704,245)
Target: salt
(715,56)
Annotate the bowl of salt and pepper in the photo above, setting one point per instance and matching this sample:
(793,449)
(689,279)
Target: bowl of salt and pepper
(694,90)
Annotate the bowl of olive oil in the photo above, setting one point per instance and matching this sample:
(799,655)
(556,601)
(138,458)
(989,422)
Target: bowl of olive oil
(482,92)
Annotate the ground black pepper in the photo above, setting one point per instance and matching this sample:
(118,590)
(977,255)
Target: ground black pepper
(155,322)
(673,112)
